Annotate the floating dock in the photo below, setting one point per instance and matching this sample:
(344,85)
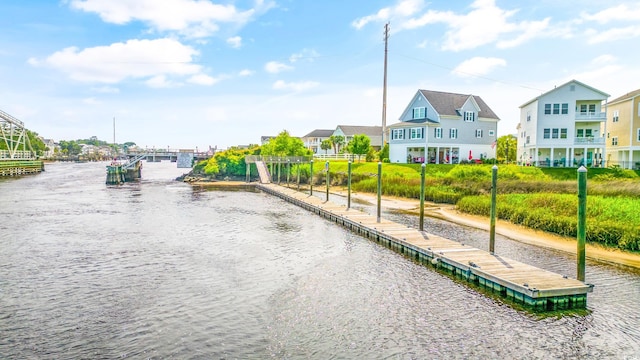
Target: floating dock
(20,167)
(526,285)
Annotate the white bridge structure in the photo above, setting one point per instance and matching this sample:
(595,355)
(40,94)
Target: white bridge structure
(15,144)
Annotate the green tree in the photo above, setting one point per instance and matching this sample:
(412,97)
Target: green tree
(383,155)
(285,145)
(326,145)
(506,148)
(337,141)
(359,145)
(70,147)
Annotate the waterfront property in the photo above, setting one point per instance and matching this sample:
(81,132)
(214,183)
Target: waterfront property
(443,128)
(565,126)
(514,281)
(623,131)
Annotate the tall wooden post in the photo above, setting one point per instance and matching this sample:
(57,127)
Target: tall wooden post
(422,176)
(288,171)
(311,178)
(582,220)
(494,191)
(349,185)
(379,189)
(248,172)
(326,167)
(298,181)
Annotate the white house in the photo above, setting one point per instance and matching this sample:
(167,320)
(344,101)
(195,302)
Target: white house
(314,139)
(565,126)
(443,128)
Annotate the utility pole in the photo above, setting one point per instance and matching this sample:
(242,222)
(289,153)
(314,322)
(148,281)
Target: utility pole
(384,87)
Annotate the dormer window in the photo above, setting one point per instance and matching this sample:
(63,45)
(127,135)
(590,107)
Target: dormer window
(469,116)
(419,113)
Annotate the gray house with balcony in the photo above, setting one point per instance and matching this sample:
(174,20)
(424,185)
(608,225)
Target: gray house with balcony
(443,128)
(565,126)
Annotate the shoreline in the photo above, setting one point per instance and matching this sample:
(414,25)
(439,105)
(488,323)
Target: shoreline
(448,213)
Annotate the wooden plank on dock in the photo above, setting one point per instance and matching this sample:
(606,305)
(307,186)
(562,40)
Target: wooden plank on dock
(524,283)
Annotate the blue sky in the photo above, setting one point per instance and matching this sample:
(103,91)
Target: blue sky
(199,73)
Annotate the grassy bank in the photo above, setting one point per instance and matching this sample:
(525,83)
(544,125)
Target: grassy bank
(543,199)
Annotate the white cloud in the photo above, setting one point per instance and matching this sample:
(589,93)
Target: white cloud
(137,59)
(159,81)
(486,23)
(203,79)
(189,17)
(478,66)
(235,42)
(295,86)
(275,67)
(245,72)
(596,37)
(305,54)
(402,9)
(614,14)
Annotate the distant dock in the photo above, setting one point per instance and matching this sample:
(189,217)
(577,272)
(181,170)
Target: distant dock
(526,285)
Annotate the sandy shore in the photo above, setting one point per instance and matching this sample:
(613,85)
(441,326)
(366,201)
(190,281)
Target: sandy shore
(448,213)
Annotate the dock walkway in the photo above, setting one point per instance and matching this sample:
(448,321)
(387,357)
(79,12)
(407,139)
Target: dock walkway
(532,287)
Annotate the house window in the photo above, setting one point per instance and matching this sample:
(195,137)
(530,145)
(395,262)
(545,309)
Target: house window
(478,133)
(614,141)
(563,133)
(547,133)
(565,108)
(588,133)
(453,133)
(419,113)
(638,131)
(528,115)
(547,109)
(528,139)
(580,133)
(556,109)
(592,109)
(469,116)
(492,133)
(554,133)
(438,133)
(397,134)
(416,133)
(616,115)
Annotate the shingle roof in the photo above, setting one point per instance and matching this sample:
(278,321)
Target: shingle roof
(448,103)
(350,130)
(320,133)
(626,96)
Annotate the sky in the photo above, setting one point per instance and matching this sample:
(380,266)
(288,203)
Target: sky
(189,74)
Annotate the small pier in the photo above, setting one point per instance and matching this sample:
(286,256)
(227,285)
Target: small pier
(531,287)
(118,173)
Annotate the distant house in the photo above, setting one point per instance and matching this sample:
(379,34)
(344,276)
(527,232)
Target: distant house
(265,139)
(443,128)
(374,133)
(563,127)
(623,131)
(313,140)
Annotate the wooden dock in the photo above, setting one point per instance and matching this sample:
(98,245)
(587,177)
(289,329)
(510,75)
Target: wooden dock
(519,283)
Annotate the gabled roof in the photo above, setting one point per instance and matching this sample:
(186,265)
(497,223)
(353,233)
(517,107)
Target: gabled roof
(565,84)
(626,96)
(319,133)
(446,103)
(351,130)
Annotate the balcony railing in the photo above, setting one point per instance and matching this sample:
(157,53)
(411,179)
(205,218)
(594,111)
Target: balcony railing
(589,140)
(591,116)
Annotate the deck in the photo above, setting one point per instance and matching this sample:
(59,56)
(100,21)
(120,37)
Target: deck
(519,283)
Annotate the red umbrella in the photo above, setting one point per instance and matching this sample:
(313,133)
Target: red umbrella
(470,156)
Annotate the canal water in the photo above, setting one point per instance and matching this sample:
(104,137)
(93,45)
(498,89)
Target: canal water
(159,269)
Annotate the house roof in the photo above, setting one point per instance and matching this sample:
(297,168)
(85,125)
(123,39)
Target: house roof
(351,130)
(320,133)
(449,103)
(567,83)
(626,96)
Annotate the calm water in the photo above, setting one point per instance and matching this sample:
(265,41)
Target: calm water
(161,270)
